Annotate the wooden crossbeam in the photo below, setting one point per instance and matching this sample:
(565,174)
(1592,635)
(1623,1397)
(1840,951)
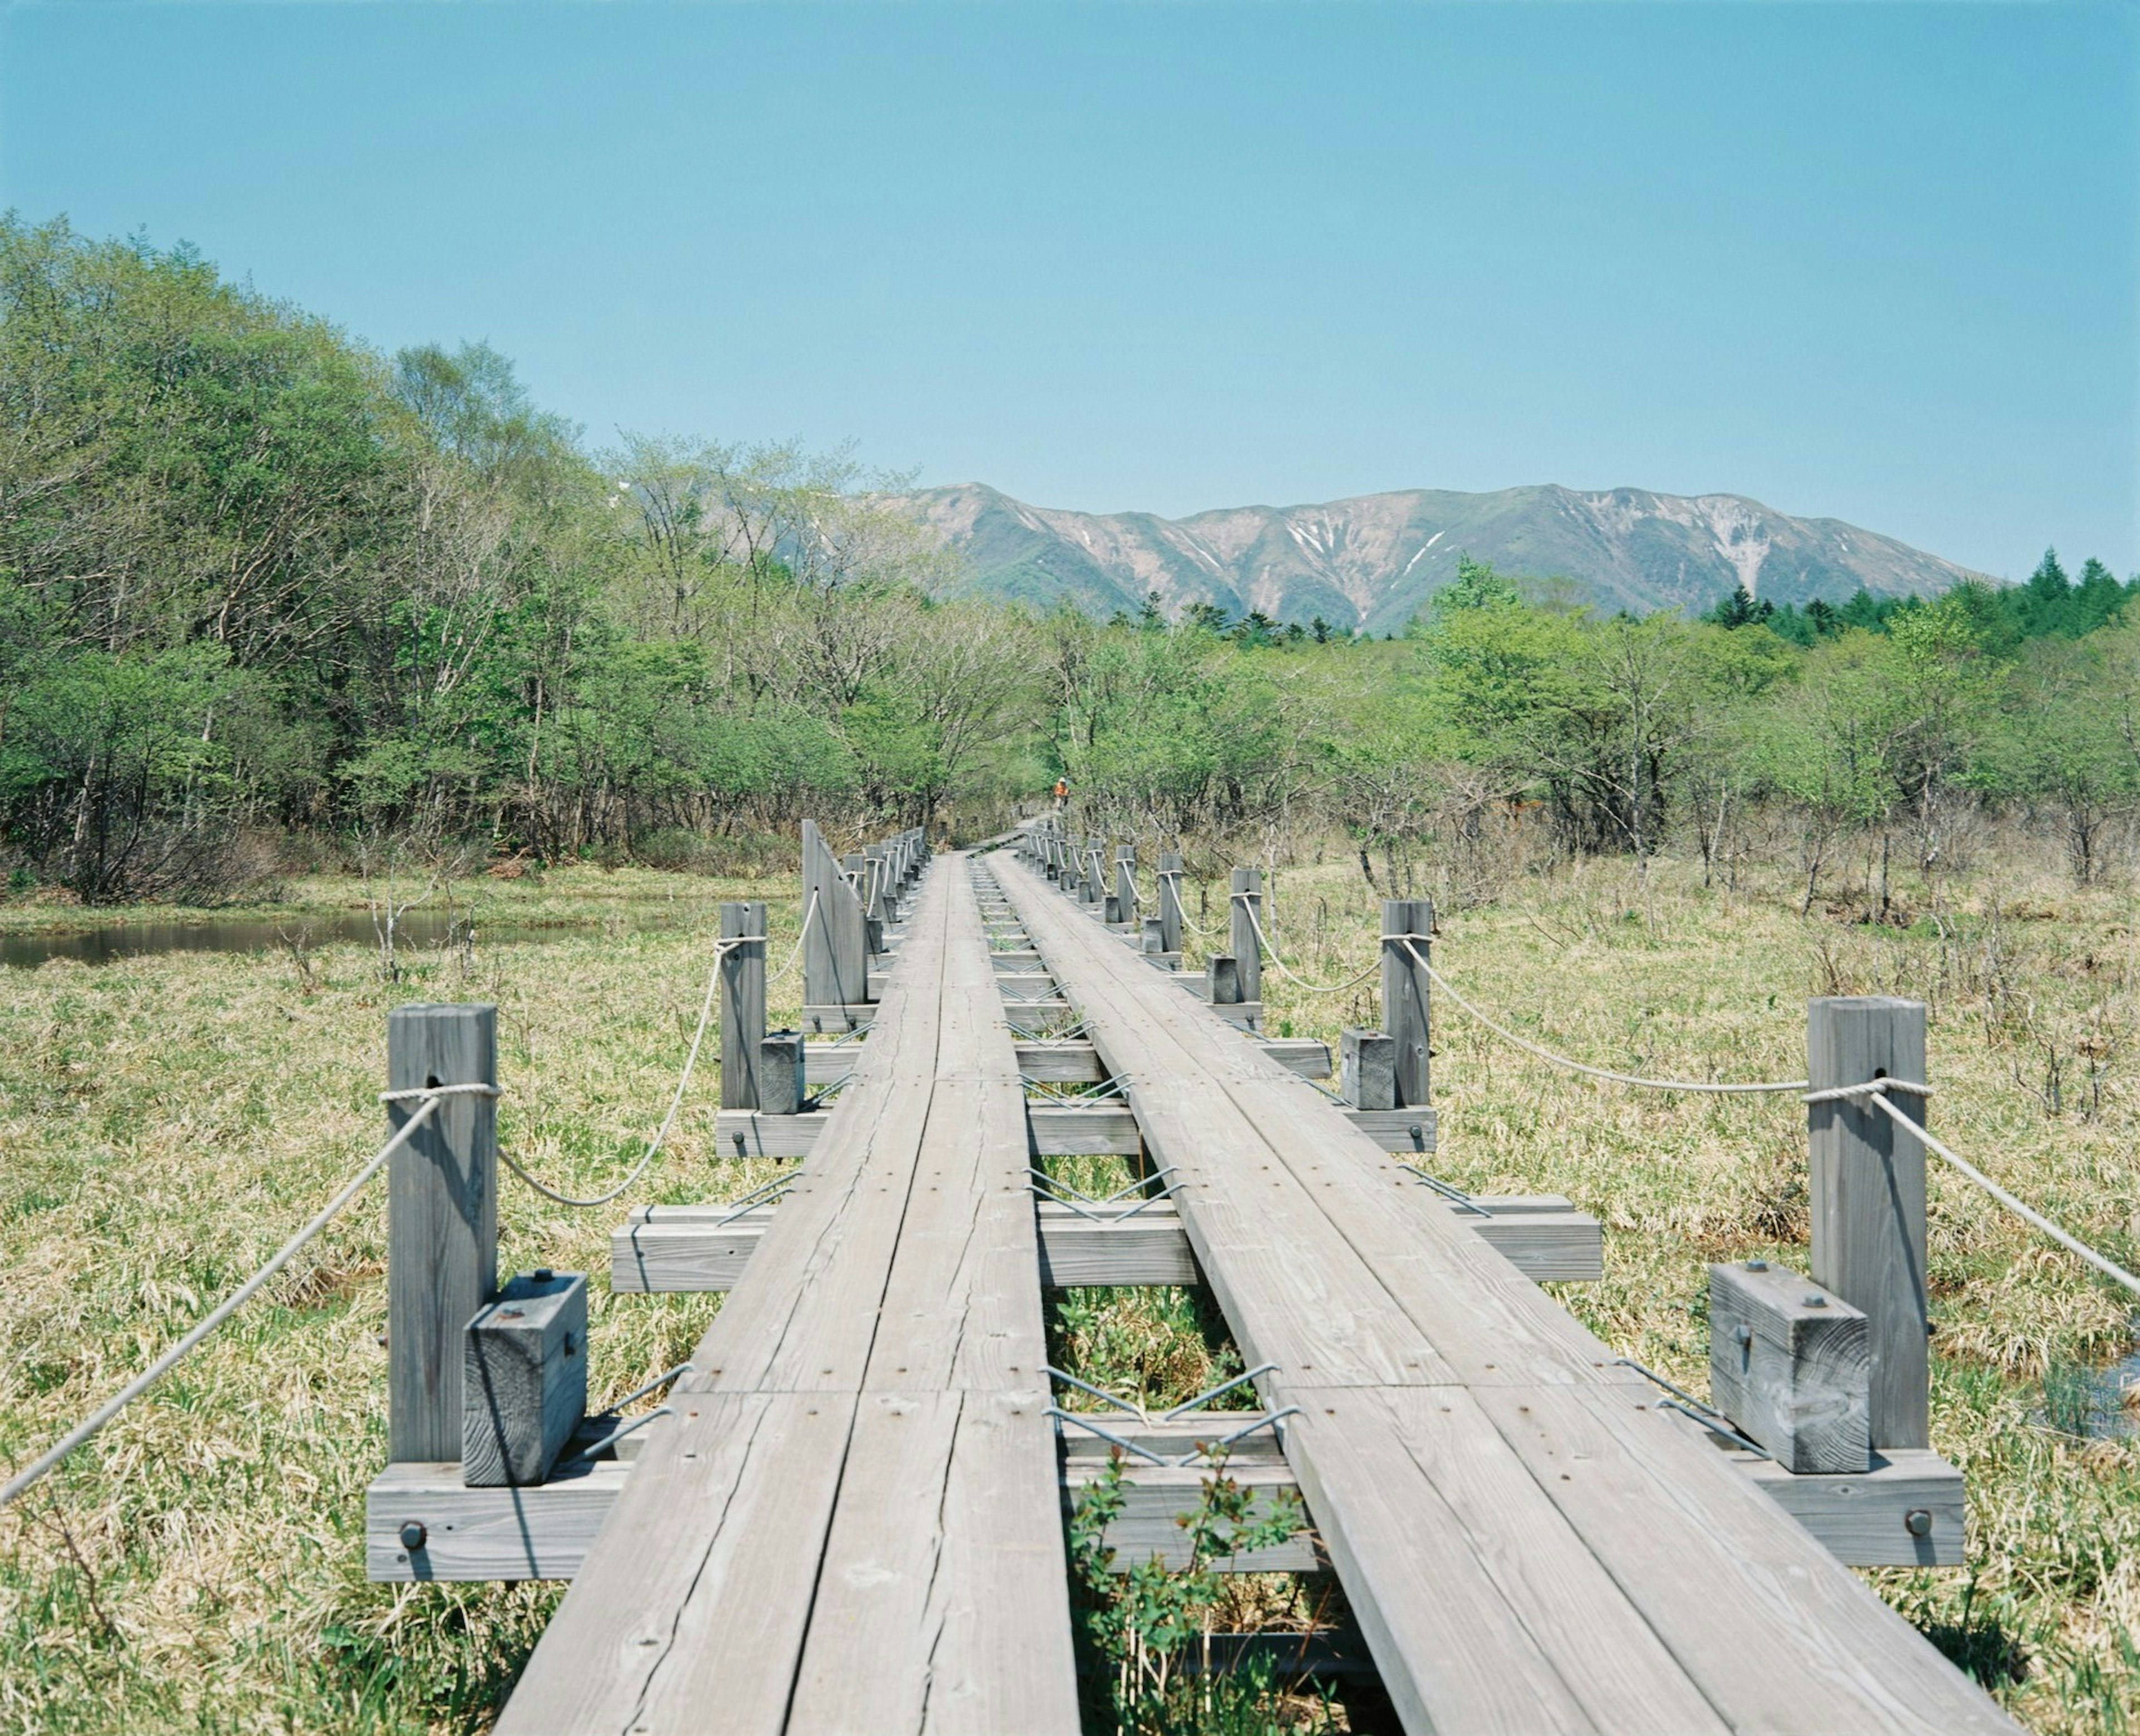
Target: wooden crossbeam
(1906,1511)
(682,1247)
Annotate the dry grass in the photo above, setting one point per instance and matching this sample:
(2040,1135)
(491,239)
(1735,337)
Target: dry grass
(168,1121)
(2031,985)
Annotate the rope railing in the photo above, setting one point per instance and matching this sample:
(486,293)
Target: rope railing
(427,1099)
(1270,952)
(1410,943)
(721,949)
(1195,927)
(653,1145)
(1875,1093)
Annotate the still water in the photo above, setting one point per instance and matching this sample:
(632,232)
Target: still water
(253,934)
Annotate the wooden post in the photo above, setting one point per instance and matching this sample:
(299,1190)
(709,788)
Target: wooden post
(743,1003)
(1243,907)
(835,956)
(441,1221)
(1096,880)
(1405,997)
(1126,892)
(1154,936)
(1868,1198)
(1170,902)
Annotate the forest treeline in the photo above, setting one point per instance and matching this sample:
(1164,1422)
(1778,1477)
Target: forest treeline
(260,584)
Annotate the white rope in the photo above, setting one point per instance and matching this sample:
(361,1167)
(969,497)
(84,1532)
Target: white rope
(82,1431)
(1271,953)
(1409,943)
(1181,909)
(803,933)
(1876,1091)
(676,1102)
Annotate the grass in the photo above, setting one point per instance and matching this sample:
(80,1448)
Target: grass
(2031,988)
(168,1119)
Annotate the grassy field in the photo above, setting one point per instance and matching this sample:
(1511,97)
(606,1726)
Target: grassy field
(169,1119)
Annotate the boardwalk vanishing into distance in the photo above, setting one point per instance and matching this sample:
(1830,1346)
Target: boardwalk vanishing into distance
(848,1516)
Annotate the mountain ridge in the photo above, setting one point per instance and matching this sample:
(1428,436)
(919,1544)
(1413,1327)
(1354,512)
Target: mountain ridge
(1368,562)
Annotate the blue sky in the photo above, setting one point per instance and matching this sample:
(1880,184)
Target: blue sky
(1876,263)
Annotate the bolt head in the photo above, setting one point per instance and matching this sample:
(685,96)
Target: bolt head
(1757,1265)
(1917,1521)
(1815,1299)
(413,1535)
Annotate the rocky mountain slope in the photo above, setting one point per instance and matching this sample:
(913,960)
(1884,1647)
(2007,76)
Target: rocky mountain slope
(1369,563)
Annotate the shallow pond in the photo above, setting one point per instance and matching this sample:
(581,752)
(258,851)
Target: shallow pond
(257,934)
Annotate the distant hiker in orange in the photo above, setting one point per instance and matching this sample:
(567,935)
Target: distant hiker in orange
(1061,792)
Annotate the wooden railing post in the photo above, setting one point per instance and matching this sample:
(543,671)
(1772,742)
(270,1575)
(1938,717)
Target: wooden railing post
(742,1004)
(1169,901)
(1243,907)
(835,954)
(1126,892)
(441,1221)
(1405,996)
(1095,890)
(1868,1198)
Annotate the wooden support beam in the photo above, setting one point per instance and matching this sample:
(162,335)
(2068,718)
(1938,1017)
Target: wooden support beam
(669,1248)
(442,1220)
(525,1381)
(1868,1199)
(1908,1510)
(1396,1130)
(1789,1364)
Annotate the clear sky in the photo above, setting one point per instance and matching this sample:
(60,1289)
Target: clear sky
(1871,261)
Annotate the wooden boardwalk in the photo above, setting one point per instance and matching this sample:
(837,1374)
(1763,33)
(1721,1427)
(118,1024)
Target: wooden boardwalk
(1530,1545)
(855,1523)
(852,1523)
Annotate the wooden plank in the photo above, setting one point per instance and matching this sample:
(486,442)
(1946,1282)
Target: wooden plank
(484,1533)
(670,1248)
(1789,1364)
(442,1221)
(1483,1608)
(688,1613)
(1777,1633)
(1908,1511)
